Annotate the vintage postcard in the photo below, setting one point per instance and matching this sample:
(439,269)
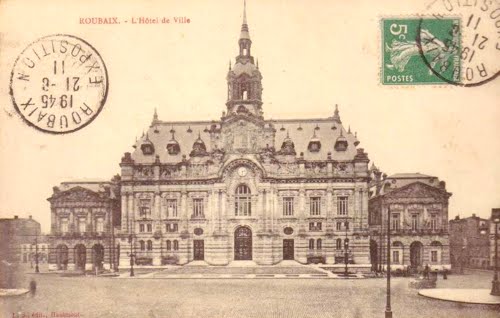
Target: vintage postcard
(249,158)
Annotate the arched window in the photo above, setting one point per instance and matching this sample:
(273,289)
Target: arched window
(318,244)
(141,243)
(311,244)
(150,245)
(346,243)
(338,244)
(176,245)
(243,201)
(169,245)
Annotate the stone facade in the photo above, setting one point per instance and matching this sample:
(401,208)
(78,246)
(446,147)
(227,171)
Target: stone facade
(16,232)
(244,187)
(82,231)
(418,208)
(469,242)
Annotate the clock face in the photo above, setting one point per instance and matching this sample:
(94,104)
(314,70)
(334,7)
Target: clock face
(242,171)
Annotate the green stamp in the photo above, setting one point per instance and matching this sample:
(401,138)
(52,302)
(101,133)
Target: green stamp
(421,51)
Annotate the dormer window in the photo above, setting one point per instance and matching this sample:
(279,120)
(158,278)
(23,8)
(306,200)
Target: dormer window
(147,149)
(173,146)
(341,143)
(314,144)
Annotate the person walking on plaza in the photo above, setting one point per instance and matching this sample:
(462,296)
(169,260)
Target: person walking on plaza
(426,271)
(32,288)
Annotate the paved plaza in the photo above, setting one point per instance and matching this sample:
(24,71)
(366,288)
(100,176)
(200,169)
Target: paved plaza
(315,297)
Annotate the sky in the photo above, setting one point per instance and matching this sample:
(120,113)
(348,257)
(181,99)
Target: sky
(312,55)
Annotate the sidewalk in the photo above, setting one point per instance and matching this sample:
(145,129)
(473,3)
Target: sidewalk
(469,296)
(13,292)
(284,271)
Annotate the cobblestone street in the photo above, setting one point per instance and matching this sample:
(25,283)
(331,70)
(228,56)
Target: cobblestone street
(112,297)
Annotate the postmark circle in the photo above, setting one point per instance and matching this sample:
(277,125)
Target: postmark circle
(59,84)
(468,55)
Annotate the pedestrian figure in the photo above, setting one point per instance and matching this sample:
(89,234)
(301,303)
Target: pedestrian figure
(426,271)
(445,273)
(32,288)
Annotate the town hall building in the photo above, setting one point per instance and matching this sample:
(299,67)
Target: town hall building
(241,188)
(244,187)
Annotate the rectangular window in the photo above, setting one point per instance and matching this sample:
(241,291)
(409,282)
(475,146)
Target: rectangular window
(171,208)
(339,226)
(346,225)
(64,225)
(338,244)
(315,206)
(434,222)
(150,227)
(145,212)
(434,256)
(99,225)
(141,228)
(82,225)
(198,208)
(395,256)
(342,204)
(414,222)
(288,206)
(315,226)
(172,227)
(395,221)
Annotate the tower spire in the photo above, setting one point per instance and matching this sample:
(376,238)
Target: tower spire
(336,116)
(244,26)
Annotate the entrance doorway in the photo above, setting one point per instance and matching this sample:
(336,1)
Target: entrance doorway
(98,256)
(199,250)
(242,244)
(416,254)
(288,249)
(80,257)
(62,256)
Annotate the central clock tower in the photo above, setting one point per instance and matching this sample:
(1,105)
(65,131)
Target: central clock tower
(244,87)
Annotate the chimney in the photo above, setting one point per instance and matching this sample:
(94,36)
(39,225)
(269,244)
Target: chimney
(16,217)
(31,217)
(473,215)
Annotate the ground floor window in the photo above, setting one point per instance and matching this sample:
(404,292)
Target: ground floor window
(395,256)
(434,256)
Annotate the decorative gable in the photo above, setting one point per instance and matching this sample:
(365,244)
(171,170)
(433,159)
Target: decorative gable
(76,194)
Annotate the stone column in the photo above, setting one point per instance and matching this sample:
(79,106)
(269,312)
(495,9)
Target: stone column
(224,211)
(131,213)
(157,212)
(124,212)
(355,213)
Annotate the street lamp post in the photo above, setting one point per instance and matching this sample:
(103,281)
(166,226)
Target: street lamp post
(388,310)
(130,239)
(495,288)
(37,269)
(346,256)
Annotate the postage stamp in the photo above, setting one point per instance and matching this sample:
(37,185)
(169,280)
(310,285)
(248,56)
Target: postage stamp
(413,47)
(59,84)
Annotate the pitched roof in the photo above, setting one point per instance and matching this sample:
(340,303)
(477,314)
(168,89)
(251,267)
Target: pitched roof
(301,132)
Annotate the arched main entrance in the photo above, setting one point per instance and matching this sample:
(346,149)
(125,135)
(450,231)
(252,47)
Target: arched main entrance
(62,256)
(80,256)
(242,244)
(416,249)
(374,255)
(97,256)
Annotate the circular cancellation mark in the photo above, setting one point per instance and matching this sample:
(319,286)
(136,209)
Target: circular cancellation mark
(59,84)
(469,55)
